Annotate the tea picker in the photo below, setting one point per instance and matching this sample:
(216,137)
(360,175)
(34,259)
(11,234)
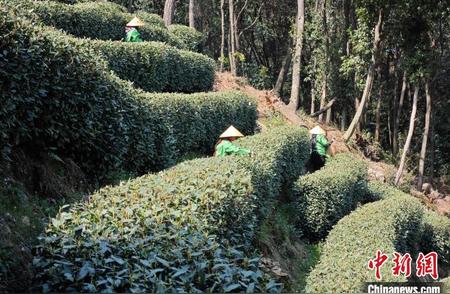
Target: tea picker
(133,34)
(225,146)
(319,147)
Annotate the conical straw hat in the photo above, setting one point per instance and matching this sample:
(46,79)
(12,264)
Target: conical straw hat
(231,132)
(135,22)
(317,131)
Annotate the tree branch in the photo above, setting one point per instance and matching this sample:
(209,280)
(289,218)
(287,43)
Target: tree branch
(325,108)
(252,24)
(242,10)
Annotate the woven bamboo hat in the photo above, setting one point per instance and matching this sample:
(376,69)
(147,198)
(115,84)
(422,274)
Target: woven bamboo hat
(317,131)
(135,22)
(231,132)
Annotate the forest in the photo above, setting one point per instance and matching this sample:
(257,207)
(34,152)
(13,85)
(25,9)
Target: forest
(111,178)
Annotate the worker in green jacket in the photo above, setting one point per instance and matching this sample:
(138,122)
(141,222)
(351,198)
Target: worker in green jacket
(225,146)
(132,33)
(319,147)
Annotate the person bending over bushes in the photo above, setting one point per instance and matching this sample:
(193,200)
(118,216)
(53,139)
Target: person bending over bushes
(319,147)
(133,34)
(225,146)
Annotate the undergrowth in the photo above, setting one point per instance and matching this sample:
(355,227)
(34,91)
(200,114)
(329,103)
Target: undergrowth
(23,216)
(282,242)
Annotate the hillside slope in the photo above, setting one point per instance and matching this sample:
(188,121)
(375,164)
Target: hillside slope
(270,105)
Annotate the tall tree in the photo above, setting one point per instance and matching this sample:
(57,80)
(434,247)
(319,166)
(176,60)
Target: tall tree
(283,71)
(397,117)
(294,102)
(169,10)
(409,137)
(378,115)
(232,38)
(423,151)
(222,29)
(192,13)
(370,76)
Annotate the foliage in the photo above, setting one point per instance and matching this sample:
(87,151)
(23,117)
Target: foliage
(446,282)
(191,38)
(102,20)
(22,219)
(377,190)
(185,229)
(436,236)
(389,225)
(324,197)
(258,76)
(157,67)
(60,96)
(403,225)
(196,120)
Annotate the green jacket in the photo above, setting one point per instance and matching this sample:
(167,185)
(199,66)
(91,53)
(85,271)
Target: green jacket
(227,148)
(322,145)
(133,36)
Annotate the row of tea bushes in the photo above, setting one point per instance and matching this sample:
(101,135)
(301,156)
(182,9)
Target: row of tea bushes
(324,197)
(60,97)
(190,37)
(398,222)
(390,225)
(436,236)
(106,21)
(184,229)
(195,122)
(157,67)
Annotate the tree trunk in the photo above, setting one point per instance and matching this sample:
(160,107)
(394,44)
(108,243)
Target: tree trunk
(222,26)
(358,125)
(169,9)
(423,151)
(389,127)
(370,77)
(432,155)
(329,114)
(408,138)
(294,102)
(232,46)
(397,117)
(236,33)
(192,13)
(313,88)
(283,71)
(343,119)
(378,115)
(323,98)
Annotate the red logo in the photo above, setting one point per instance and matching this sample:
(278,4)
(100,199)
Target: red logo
(402,264)
(377,263)
(425,264)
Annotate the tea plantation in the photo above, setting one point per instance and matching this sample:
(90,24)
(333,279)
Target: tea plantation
(71,89)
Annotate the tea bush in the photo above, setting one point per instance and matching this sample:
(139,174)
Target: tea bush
(59,97)
(377,190)
(436,236)
(195,120)
(324,197)
(101,20)
(190,37)
(390,225)
(185,229)
(446,282)
(157,67)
